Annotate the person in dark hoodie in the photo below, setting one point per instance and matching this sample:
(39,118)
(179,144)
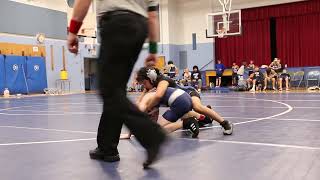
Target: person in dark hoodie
(196,78)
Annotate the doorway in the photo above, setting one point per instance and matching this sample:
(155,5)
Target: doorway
(90,74)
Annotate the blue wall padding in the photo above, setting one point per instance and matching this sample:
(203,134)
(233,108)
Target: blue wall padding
(36,74)
(15,67)
(2,74)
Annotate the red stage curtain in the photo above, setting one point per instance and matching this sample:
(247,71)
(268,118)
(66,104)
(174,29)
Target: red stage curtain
(282,10)
(298,40)
(294,46)
(253,44)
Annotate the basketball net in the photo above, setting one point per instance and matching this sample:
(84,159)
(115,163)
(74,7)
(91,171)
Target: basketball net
(226,9)
(221,32)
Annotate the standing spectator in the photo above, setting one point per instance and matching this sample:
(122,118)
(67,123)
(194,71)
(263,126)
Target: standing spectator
(271,75)
(219,69)
(196,78)
(172,70)
(235,69)
(186,77)
(251,67)
(276,65)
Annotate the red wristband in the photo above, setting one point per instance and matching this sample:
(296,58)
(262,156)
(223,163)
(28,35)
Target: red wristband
(74,26)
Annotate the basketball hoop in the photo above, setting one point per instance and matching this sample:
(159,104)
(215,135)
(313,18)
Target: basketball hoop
(221,32)
(225,23)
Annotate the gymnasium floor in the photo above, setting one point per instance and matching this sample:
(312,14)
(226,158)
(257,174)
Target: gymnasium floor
(276,137)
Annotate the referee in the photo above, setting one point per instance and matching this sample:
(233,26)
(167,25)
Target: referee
(124,26)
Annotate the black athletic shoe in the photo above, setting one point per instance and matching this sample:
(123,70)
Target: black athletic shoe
(227,127)
(201,124)
(193,125)
(153,153)
(100,155)
(206,121)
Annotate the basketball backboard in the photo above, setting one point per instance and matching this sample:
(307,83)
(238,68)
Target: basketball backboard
(223,24)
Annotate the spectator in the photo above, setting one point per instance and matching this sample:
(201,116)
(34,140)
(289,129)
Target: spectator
(251,67)
(134,83)
(250,81)
(242,83)
(186,77)
(135,86)
(276,65)
(196,78)
(165,72)
(257,79)
(235,69)
(284,76)
(242,69)
(219,69)
(172,70)
(271,75)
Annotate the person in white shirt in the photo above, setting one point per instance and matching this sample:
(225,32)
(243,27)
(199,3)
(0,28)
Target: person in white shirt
(186,77)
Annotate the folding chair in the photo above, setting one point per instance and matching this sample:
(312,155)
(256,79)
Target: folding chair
(297,77)
(313,76)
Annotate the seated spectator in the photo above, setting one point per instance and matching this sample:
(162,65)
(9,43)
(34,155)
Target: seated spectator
(196,78)
(242,83)
(284,76)
(257,79)
(165,72)
(219,69)
(235,69)
(271,75)
(172,70)
(250,81)
(135,86)
(186,78)
(251,67)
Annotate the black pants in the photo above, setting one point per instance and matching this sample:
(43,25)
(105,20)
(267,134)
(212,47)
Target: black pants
(235,79)
(122,35)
